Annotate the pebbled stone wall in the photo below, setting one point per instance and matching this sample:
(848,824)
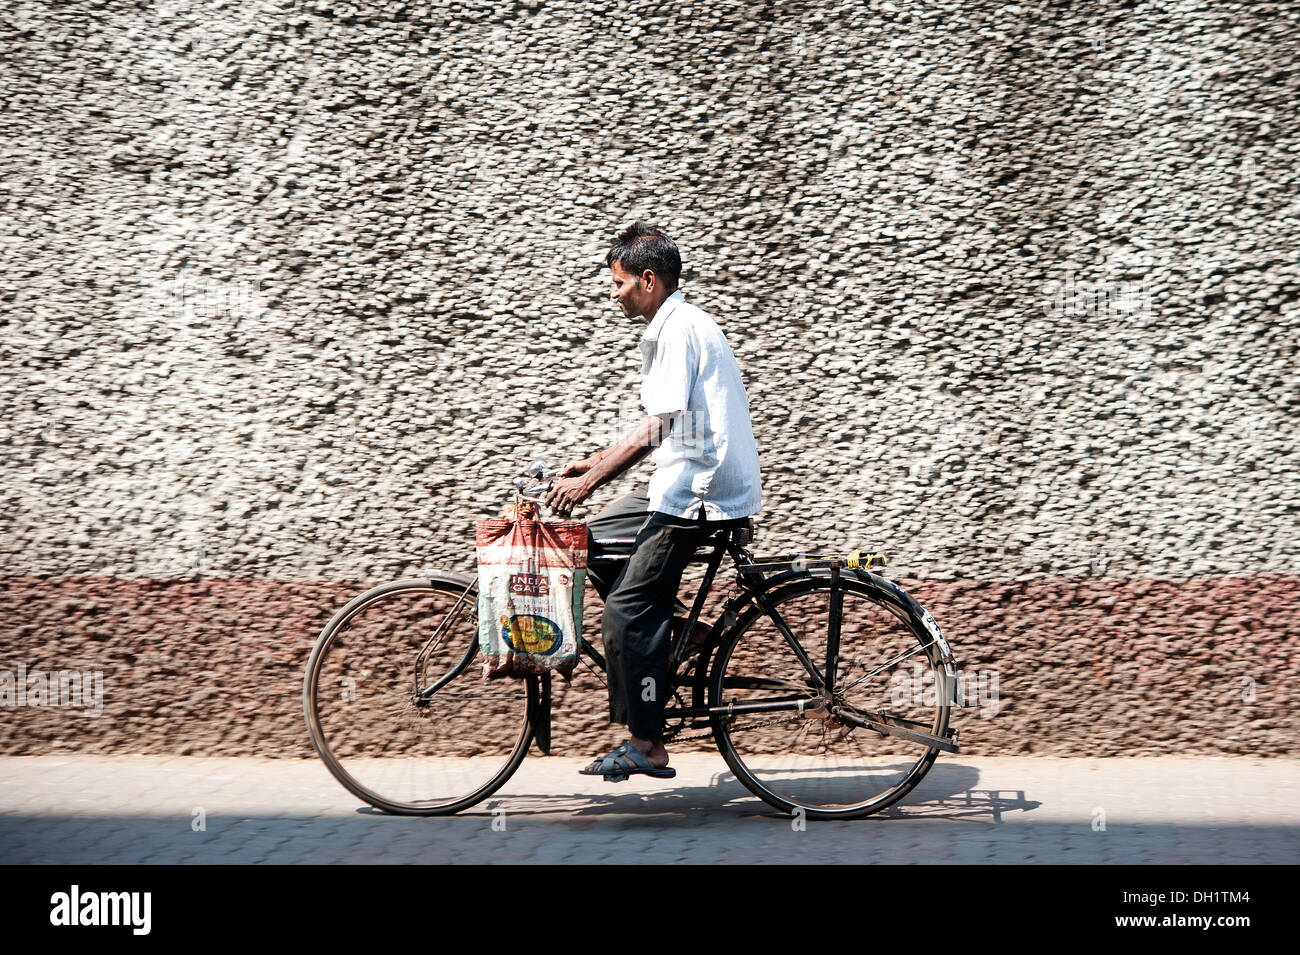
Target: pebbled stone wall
(289,290)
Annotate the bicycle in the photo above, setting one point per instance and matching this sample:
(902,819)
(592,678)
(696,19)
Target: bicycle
(789,683)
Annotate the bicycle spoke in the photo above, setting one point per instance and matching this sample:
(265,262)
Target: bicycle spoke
(889,665)
(447,623)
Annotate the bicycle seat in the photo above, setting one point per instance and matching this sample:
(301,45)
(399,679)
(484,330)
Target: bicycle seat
(609,547)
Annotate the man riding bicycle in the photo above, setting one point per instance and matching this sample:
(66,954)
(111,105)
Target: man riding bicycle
(706,479)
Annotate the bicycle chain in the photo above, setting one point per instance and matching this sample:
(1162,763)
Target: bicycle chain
(750,726)
(673,737)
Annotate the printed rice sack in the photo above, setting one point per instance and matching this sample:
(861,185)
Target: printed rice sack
(531,577)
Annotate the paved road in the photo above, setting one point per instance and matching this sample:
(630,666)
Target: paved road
(144,809)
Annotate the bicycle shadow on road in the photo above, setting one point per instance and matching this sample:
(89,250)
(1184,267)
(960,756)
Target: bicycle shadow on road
(656,803)
(948,792)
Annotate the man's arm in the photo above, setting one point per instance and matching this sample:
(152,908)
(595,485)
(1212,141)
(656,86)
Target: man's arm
(578,480)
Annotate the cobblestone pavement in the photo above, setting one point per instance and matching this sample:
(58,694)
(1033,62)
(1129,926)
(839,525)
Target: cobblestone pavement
(146,809)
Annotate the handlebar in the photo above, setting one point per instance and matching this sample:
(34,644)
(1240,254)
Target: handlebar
(532,493)
(538,471)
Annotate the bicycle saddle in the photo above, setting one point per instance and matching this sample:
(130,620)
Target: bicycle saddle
(742,533)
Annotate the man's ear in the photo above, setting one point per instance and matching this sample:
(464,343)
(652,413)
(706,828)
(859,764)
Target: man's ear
(649,278)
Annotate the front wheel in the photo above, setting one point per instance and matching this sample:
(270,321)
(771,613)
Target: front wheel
(397,706)
(824,759)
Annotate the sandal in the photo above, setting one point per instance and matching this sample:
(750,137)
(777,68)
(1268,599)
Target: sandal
(615,771)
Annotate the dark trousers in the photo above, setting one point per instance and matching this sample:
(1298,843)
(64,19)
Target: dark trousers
(639,603)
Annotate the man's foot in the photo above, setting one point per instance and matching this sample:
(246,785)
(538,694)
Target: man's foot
(634,756)
(655,752)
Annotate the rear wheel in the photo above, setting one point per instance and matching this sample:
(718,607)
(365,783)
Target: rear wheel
(817,760)
(388,743)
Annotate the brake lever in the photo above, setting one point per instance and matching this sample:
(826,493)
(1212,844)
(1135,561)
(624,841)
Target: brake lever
(531,493)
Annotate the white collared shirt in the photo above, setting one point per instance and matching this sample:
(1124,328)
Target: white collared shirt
(709,458)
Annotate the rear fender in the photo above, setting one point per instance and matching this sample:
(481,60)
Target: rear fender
(897,601)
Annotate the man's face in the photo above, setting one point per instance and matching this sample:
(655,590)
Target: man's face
(629,291)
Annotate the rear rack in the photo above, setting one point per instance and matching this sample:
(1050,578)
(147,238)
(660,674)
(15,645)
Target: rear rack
(854,560)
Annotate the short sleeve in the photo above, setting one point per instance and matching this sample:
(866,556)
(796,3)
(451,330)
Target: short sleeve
(670,379)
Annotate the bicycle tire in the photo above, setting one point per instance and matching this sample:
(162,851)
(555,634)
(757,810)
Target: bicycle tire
(808,762)
(359,700)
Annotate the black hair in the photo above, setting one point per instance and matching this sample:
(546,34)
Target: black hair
(641,246)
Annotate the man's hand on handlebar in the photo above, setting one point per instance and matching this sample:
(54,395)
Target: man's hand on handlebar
(578,467)
(569,491)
